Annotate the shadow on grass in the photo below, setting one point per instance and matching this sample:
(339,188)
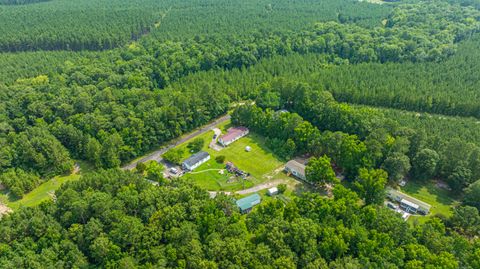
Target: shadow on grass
(434,192)
(261,142)
(303,187)
(8,197)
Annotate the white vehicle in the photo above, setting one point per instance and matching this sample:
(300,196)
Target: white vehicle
(174,170)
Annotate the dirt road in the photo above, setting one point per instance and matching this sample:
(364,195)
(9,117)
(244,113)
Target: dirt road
(257,188)
(157,155)
(261,187)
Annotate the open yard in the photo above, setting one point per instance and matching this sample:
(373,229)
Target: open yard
(39,194)
(45,190)
(208,177)
(440,199)
(260,162)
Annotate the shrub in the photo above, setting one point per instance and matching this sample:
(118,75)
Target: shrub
(220,159)
(140,167)
(282,188)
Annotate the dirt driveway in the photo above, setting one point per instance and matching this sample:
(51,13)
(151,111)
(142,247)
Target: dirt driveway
(266,185)
(213,144)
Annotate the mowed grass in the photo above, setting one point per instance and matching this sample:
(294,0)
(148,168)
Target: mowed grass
(440,199)
(45,190)
(207,177)
(42,192)
(260,162)
(207,137)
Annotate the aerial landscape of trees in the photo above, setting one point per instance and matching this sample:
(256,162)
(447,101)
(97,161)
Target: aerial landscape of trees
(20,2)
(117,219)
(376,93)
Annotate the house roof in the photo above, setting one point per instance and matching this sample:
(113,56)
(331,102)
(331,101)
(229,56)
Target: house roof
(195,158)
(273,190)
(402,196)
(410,204)
(296,166)
(248,202)
(233,133)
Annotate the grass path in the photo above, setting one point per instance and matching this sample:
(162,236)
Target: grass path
(207,170)
(46,190)
(42,192)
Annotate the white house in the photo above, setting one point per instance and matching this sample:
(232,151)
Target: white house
(407,203)
(296,169)
(195,160)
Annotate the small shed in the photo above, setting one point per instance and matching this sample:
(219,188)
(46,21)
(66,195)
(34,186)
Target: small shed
(246,204)
(272,191)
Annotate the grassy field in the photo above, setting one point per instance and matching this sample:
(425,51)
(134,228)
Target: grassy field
(45,190)
(207,176)
(260,162)
(441,200)
(41,193)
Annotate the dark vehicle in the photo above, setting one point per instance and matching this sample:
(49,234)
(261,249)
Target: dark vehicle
(392,206)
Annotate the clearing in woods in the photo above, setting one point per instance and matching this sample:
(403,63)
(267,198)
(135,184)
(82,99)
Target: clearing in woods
(262,164)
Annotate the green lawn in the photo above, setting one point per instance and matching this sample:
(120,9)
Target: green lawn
(207,137)
(260,162)
(207,176)
(42,192)
(441,200)
(45,190)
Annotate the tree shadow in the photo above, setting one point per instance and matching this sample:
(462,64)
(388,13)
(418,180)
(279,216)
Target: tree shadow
(7,196)
(440,195)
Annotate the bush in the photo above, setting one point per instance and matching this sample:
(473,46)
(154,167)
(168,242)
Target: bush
(196,145)
(154,171)
(173,156)
(19,181)
(140,167)
(220,159)
(282,188)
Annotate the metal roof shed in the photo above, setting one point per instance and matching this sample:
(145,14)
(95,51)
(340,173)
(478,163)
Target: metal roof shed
(246,204)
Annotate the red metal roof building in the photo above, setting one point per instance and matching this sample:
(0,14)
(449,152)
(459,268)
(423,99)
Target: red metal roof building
(232,135)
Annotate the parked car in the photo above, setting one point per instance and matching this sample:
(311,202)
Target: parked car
(173,170)
(214,136)
(392,206)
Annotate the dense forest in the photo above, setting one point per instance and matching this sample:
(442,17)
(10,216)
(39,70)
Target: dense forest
(76,25)
(105,82)
(114,219)
(449,87)
(95,25)
(20,2)
(361,137)
(31,64)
